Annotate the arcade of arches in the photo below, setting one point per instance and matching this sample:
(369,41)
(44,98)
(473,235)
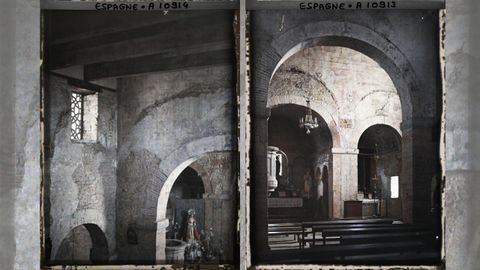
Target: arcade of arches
(375,152)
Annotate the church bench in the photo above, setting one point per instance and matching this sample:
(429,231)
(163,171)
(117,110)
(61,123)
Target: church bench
(332,253)
(314,230)
(427,237)
(318,226)
(387,231)
(295,231)
(371,230)
(286,224)
(310,224)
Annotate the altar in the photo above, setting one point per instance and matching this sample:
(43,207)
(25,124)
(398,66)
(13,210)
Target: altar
(362,208)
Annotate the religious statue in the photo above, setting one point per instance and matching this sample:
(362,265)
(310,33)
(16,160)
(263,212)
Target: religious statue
(193,251)
(191,234)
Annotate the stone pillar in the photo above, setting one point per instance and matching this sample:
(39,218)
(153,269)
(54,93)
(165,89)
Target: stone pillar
(160,244)
(420,162)
(406,174)
(345,178)
(259,167)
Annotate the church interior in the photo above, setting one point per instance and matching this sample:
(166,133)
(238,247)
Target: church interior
(140,159)
(351,139)
(137,179)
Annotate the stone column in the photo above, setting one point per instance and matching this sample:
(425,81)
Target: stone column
(406,174)
(259,166)
(420,162)
(345,178)
(160,244)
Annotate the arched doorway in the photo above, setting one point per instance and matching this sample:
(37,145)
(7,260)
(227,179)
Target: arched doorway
(207,185)
(296,196)
(187,193)
(84,244)
(379,169)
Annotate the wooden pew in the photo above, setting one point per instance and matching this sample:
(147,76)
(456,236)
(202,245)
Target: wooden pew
(286,224)
(427,237)
(372,230)
(288,229)
(307,226)
(367,241)
(357,252)
(320,228)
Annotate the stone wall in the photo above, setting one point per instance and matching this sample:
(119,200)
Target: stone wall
(349,90)
(218,173)
(165,120)
(462,160)
(80,175)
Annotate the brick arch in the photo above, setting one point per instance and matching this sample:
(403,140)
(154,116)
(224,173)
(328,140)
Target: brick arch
(370,122)
(317,106)
(88,216)
(97,237)
(174,164)
(343,34)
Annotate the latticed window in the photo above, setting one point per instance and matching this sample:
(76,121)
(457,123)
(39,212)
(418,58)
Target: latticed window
(84,116)
(77,116)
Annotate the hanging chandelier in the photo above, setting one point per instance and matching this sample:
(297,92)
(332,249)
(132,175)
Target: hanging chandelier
(308,121)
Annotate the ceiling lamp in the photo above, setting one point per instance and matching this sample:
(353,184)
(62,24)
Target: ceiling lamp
(308,121)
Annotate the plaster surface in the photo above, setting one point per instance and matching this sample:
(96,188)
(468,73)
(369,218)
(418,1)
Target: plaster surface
(81,175)
(159,130)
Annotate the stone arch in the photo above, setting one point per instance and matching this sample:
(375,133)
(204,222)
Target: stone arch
(396,132)
(268,54)
(370,122)
(81,218)
(387,147)
(318,107)
(201,182)
(98,252)
(202,173)
(356,37)
(174,164)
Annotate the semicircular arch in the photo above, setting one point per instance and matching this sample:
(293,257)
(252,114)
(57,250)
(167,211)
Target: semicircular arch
(321,108)
(356,37)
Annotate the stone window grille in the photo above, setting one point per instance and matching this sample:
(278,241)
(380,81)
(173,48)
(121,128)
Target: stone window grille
(77,116)
(84,114)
